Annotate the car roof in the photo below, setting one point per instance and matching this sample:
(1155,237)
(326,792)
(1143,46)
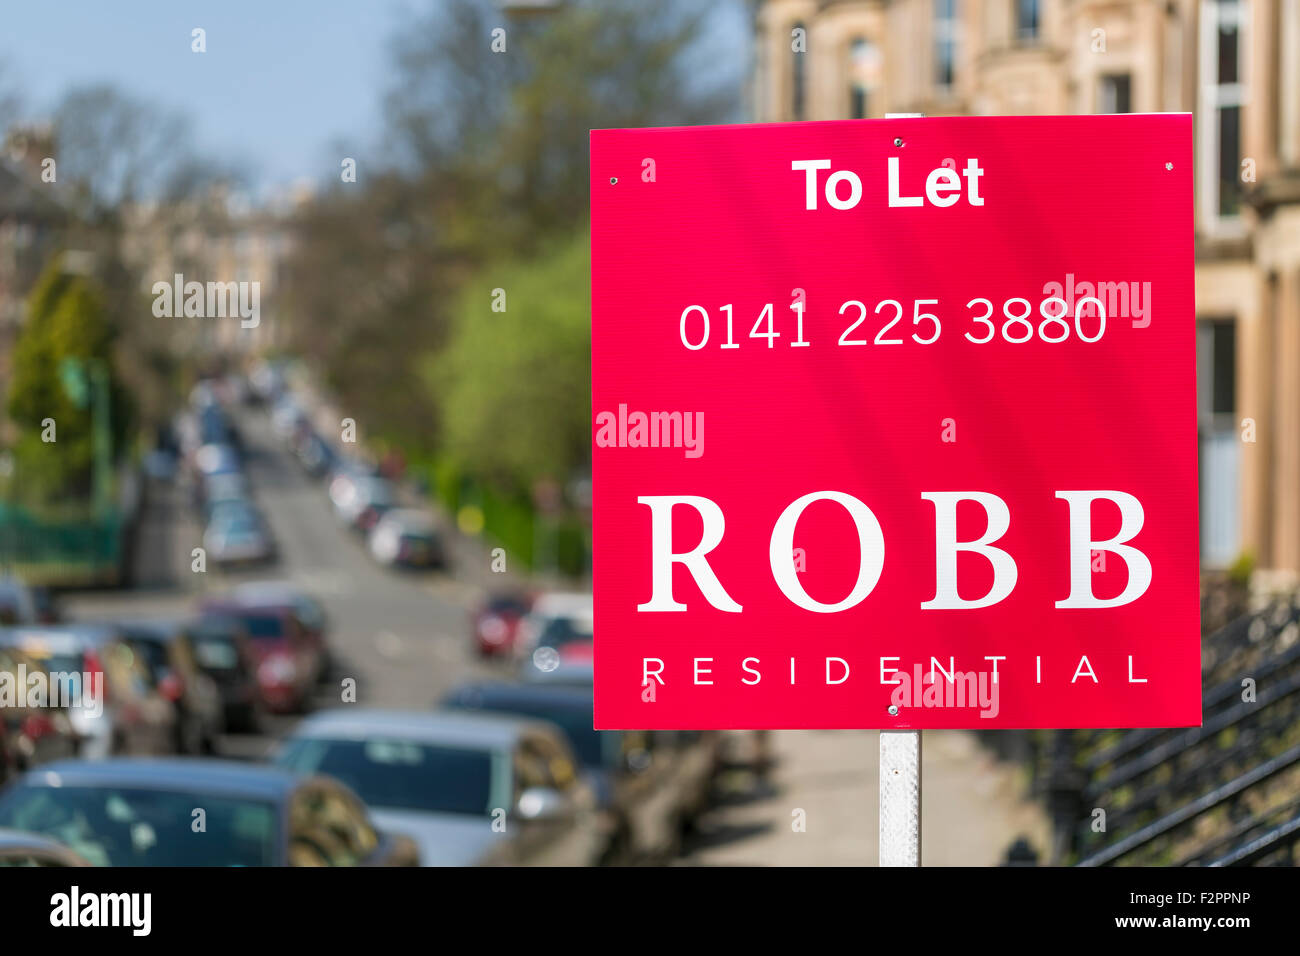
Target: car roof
(451,729)
(260,591)
(186,774)
(370,484)
(226,477)
(554,603)
(165,629)
(58,635)
(233,605)
(489,694)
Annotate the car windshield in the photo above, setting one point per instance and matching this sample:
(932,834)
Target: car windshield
(264,626)
(122,826)
(405,774)
(236,522)
(216,654)
(589,746)
(565,630)
(57,663)
(375,492)
(215,648)
(153,652)
(507,605)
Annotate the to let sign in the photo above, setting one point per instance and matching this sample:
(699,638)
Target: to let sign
(894,424)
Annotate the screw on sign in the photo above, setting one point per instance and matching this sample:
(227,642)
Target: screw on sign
(1040,572)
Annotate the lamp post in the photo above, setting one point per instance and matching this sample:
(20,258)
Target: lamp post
(86,382)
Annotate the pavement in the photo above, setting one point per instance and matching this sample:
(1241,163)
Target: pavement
(819,805)
(404,637)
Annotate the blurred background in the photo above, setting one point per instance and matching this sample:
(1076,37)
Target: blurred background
(346,530)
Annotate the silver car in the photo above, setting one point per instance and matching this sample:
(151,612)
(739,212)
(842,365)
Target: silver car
(469,789)
(236,534)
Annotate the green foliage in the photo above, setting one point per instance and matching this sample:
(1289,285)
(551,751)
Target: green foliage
(513,386)
(66,319)
(1240,571)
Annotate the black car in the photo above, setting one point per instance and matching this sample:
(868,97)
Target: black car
(222,651)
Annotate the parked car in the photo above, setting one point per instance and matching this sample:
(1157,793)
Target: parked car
(407,537)
(470,789)
(222,651)
(496,623)
(131,715)
(310,613)
(237,534)
(168,652)
(287,417)
(17,602)
(652,783)
(556,621)
(28,849)
(216,459)
(314,454)
(288,660)
(361,500)
(222,489)
(29,735)
(48,610)
(267,382)
(140,812)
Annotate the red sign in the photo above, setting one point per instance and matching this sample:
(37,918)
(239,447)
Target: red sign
(894,424)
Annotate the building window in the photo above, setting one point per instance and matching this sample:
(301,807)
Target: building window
(1223,91)
(1026,20)
(864,77)
(798,84)
(1115,94)
(945,43)
(1220,451)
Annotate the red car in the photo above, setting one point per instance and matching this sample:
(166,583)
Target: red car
(288,656)
(496,624)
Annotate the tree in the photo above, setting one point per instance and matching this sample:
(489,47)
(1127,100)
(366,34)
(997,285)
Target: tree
(514,386)
(66,320)
(513,125)
(490,166)
(117,149)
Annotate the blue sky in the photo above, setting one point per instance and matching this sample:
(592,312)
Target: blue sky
(281,82)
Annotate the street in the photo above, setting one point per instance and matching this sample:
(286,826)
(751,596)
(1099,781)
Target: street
(402,636)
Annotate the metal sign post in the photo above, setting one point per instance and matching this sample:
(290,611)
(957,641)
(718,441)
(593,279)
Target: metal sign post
(900,798)
(900,773)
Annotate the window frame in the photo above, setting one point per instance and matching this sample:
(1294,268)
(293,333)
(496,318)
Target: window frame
(1212,98)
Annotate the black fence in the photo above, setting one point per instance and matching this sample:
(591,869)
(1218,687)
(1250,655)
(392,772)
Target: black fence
(1226,793)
